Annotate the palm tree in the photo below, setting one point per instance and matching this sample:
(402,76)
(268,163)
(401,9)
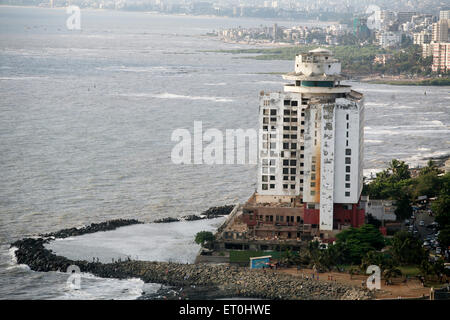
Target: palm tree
(430,168)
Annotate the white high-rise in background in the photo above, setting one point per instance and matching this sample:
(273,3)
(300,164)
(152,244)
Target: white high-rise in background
(312,142)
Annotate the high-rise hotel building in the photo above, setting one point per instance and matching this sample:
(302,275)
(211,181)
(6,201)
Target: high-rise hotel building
(311,148)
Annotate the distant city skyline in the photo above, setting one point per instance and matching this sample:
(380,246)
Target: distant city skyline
(330,6)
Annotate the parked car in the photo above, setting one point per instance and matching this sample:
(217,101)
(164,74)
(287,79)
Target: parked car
(438,250)
(421,223)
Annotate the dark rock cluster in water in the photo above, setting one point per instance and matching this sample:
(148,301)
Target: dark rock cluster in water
(187,293)
(218,211)
(211,213)
(94,227)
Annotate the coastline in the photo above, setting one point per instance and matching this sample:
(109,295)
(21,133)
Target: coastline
(216,281)
(184,281)
(402,80)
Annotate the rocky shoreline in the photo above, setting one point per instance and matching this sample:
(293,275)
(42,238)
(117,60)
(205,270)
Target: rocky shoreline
(185,281)
(213,280)
(211,213)
(94,227)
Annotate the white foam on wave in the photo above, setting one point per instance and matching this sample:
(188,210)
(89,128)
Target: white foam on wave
(422,157)
(95,288)
(216,84)
(371,172)
(21,78)
(12,254)
(373,141)
(12,261)
(432,123)
(376,104)
(270,82)
(167,95)
(438,126)
(402,107)
(136,69)
(148,242)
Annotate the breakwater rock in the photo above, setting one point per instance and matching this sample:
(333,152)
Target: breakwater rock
(234,281)
(211,213)
(94,227)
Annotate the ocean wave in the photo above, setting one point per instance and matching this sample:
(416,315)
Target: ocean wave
(422,158)
(402,107)
(434,126)
(135,69)
(215,84)
(376,104)
(21,78)
(167,95)
(95,288)
(164,70)
(12,261)
(373,141)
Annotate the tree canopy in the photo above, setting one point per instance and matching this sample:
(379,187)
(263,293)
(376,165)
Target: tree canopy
(204,236)
(354,243)
(407,249)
